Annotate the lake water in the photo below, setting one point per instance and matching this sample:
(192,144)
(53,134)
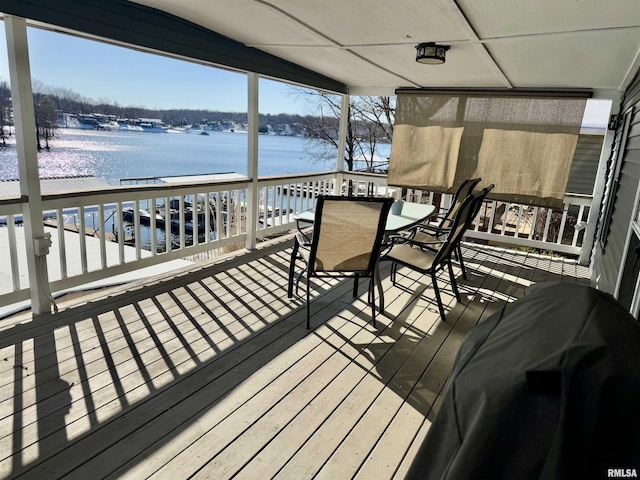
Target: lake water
(112,155)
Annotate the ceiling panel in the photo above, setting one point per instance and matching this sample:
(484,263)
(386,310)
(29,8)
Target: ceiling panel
(246,21)
(370,43)
(464,67)
(495,18)
(377,21)
(338,64)
(580,60)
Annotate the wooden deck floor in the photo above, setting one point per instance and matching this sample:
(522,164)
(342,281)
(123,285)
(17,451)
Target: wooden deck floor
(211,373)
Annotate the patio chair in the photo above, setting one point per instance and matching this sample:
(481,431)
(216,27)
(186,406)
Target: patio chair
(432,257)
(464,190)
(346,242)
(426,233)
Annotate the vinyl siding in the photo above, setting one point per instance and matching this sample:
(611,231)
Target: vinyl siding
(585,164)
(607,261)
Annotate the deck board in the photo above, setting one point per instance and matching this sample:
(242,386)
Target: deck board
(210,373)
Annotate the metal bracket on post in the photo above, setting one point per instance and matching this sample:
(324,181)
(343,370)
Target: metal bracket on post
(42,244)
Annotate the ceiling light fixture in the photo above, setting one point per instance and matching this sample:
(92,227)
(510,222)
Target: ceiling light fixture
(431,53)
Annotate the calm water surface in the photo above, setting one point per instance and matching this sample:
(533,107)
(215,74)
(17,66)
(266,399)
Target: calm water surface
(112,155)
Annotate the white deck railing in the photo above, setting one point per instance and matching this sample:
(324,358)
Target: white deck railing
(556,230)
(130,227)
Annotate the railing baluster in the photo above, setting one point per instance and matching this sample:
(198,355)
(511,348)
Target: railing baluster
(121,233)
(153,226)
(272,196)
(534,219)
(101,236)
(518,222)
(546,225)
(62,249)
(507,207)
(562,224)
(219,216)
(207,217)
(492,217)
(136,229)
(197,209)
(83,240)
(281,203)
(13,252)
(167,225)
(181,216)
(238,218)
(287,192)
(576,232)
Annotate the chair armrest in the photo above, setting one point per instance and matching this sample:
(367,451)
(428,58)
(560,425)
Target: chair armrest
(399,239)
(430,229)
(402,240)
(433,228)
(303,240)
(415,243)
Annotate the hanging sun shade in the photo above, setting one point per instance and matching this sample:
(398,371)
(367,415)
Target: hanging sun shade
(523,143)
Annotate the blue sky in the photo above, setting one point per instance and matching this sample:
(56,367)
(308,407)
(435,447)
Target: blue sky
(100,71)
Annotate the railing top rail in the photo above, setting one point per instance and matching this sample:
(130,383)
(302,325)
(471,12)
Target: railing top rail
(578,195)
(365,174)
(295,176)
(17,200)
(156,189)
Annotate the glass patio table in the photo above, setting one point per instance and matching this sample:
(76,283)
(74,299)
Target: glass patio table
(402,215)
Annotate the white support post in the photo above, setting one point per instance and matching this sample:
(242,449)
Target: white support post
(252,162)
(342,140)
(37,243)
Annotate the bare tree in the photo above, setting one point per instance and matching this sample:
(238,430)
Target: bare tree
(370,122)
(373,124)
(5,112)
(45,113)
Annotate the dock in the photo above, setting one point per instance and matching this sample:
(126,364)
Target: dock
(88,231)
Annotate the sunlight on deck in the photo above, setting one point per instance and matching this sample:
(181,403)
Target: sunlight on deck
(210,373)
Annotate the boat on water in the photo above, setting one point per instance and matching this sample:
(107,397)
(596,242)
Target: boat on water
(196,210)
(153,125)
(82,122)
(198,130)
(128,215)
(110,124)
(130,128)
(193,218)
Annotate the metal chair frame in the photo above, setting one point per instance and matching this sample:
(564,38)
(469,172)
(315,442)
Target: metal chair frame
(313,270)
(446,248)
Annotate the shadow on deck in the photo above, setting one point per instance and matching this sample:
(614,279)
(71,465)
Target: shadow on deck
(210,372)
